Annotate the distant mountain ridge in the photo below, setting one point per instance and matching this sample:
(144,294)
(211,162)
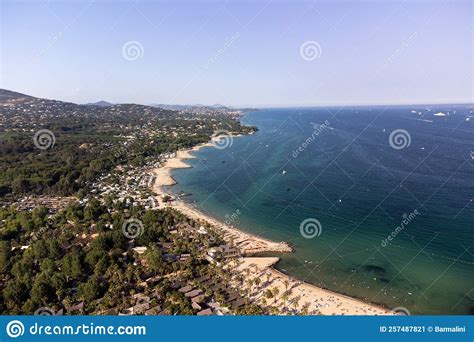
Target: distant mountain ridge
(9,96)
(190,107)
(13,96)
(22,110)
(100,104)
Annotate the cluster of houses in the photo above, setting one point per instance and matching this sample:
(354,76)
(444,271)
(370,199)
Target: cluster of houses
(28,203)
(23,113)
(196,291)
(148,300)
(214,254)
(131,186)
(205,306)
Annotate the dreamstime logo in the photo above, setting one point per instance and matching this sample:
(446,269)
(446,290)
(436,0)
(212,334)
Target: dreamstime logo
(132,228)
(48,46)
(36,235)
(399,139)
(121,150)
(132,50)
(317,130)
(406,219)
(401,311)
(44,312)
(15,329)
(228,43)
(397,53)
(310,50)
(146,180)
(310,228)
(44,139)
(234,217)
(221,139)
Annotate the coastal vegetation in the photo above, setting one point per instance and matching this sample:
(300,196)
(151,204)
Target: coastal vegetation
(79,261)
(76,257)
(86,141)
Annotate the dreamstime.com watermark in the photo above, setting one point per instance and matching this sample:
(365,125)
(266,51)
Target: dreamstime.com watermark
(221,139)
(399,139)
(44,311)
(397,53)
(36,235)
(132,228)
(406,219)
(222,51)
(401,311)
(44,139)
(310,228)
(310,50)
(232,218)
(16,329)
(132,50)
(317,130)
(52,42)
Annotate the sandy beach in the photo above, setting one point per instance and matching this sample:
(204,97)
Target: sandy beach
(301,297)
(247,243)
(163,174)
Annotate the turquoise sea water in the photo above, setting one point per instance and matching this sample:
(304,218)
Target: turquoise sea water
(339,166)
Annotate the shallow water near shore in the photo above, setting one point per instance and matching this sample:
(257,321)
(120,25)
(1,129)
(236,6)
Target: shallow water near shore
(336,165)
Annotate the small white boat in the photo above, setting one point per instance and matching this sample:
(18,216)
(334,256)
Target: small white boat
(284,172)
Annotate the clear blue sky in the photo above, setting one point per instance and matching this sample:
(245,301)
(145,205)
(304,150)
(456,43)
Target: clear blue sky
(240,52)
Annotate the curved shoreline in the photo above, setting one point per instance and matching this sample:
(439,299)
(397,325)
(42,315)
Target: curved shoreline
(319,300)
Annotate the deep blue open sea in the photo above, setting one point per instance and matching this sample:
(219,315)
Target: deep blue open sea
(361,172)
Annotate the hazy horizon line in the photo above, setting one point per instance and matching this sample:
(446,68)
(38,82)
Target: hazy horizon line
(264,106)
